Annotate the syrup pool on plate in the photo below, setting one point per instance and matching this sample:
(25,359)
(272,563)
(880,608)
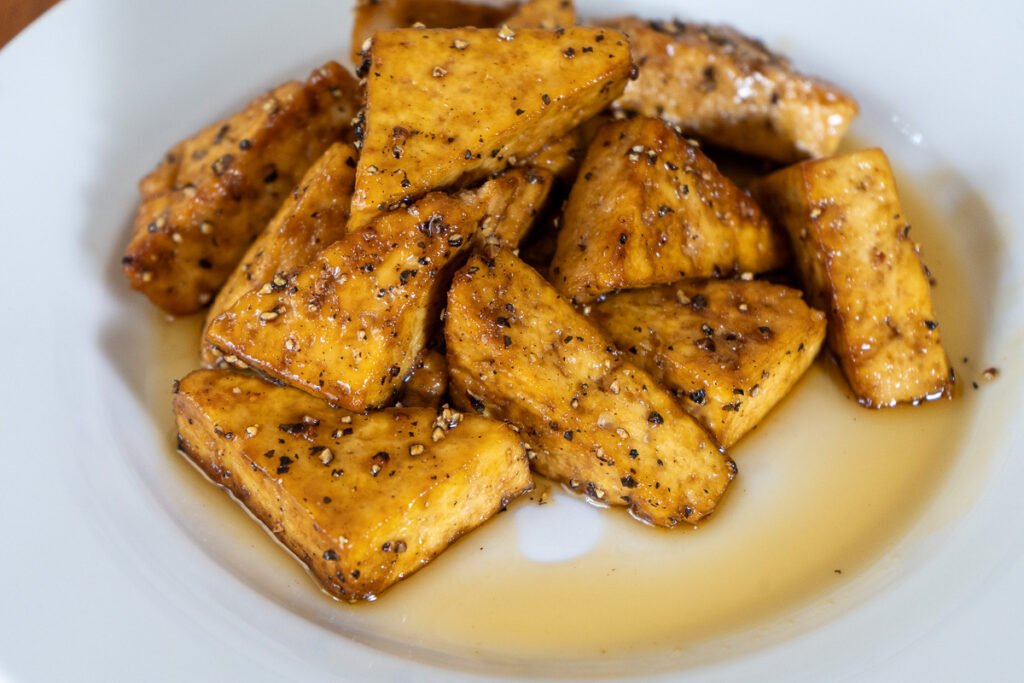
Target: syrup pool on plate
(824,488)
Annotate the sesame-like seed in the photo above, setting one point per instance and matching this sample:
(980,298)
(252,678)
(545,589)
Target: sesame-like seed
(326,456)
(267,316)
(437,434)
(417,449)
(251,430)
(190,191)
(621,433)
(374,470)
(747,276)
(372,170)
(439,72)
(506,33)
(990,374)
(575,403)
(614,387)
(682,298)
(346,419)
(270,106)
(204,298)
(289,344)
(815,213)
(743,308)
(147,276)
(460,44)
(206,227)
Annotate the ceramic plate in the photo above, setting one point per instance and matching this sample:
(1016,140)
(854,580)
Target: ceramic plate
(854,545)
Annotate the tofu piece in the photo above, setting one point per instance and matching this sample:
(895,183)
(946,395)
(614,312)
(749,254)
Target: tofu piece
(213,193)
(427,386)
(314,216)
(373,16)
(514,200)
(858,263)
(362,500)
(349,326)
(546,14)
(730,90)
(729,350)
(506,95)
(519,352)
(649,208)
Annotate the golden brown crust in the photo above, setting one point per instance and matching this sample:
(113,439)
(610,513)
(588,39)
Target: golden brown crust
(858,264)
(313,216)
(549,83)
(729,350)
(518,351)
(215,192)
(650,208)
(729,89)
(362,500)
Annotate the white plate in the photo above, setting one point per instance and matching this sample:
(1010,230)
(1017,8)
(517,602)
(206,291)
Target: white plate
(117,565)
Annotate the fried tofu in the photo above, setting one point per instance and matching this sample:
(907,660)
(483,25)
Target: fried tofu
(514,200)
(858,263)
(546,14)
(314,216)
(730,90)
(519,352)
(729,350)
(427,386)
(362,500)
(649,208)
(214,193)
(506,94)
(372,16)
(349,326)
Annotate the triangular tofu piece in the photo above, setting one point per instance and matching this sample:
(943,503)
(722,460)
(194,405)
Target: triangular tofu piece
(314,216)
(730,90)
(350,325)
(546,14)
(649,208)
(362,500)
(215,192)
(598,423)
(729,350)
(857,261)
(452,106)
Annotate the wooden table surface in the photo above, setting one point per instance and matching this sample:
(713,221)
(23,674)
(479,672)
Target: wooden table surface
(17,14)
